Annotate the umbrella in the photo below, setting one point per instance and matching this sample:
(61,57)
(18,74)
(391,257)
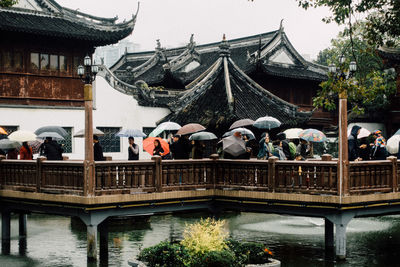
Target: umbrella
(54,129)
(130,132)
(233,145)
(203,136)
(2,131)
(81,133)
(243,131)
(267,122)
(165,126)
(191,128)
(22,136)
(241,123)
(35,145)
(53,135)
(293,133)
(363,133)
(312,135)
(392,145)
(398,132)
(148,145)
(9,144)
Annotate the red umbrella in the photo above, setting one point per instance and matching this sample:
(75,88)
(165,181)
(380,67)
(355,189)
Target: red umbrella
(148,145)
(191,128)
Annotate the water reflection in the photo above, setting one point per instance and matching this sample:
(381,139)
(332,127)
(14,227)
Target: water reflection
(296,241)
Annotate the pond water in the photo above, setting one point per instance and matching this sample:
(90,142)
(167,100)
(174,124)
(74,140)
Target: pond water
(296,241)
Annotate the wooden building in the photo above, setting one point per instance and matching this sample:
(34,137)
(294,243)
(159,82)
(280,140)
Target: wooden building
(42,45)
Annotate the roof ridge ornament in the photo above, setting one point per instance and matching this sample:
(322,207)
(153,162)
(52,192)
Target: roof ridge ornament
(281,26)
(224,50)
(191,43)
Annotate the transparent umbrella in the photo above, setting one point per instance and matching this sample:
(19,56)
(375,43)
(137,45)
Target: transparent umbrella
(165,126)
(81,133)
(54,129)
(392,144)
(267,122)
(203,136)
(9,144)
(234,146)
(130,132)
(53,135)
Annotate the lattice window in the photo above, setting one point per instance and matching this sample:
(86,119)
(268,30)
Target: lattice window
(67,142)
(109,141)
(148,130)
(9,130)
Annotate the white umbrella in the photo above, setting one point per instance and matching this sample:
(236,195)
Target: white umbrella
(165,126)
(243,131)
(363,133)
(130,132)
(22,136)
(267,122)
(53,135)
(81,133)
(293,133)
(392,145)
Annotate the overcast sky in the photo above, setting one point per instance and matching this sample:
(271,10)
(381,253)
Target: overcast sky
(173,21)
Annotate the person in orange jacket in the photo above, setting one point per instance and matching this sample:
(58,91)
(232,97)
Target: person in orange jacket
(25,152)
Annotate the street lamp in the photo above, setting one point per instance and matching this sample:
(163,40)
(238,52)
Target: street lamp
(88,74)
(341,74)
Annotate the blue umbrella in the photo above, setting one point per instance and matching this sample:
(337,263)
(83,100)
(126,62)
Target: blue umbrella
(130,132)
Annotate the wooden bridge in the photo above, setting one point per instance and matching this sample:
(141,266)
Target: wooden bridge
(94,192)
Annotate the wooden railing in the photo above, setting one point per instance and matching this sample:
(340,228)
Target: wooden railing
(146,176)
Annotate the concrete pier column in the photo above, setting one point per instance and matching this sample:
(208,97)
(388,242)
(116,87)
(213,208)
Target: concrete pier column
(22,224)
(91,242)
(341,221)
(103,229)
(340,241)
(5,232)
(329,235)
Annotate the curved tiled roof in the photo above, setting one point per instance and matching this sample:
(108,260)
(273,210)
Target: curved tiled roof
(224,93)
(56,21)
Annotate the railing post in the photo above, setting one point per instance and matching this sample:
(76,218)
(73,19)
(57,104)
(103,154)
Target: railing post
(272,173)
(215,158)
(158,173)
(394,181)
(39,173)
(88,178)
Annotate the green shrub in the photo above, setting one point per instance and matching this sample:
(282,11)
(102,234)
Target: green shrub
(164,254)
(225,258)
(249,252)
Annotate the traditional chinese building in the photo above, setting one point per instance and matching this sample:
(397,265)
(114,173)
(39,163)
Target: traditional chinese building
(267,59)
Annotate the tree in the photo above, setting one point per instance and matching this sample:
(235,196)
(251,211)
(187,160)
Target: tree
(8,3)
(382,17)
(371,87)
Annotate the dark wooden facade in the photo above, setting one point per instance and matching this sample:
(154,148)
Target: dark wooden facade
(41,49)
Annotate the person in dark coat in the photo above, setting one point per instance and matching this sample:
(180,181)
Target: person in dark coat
(2,152)
(97,149)
(12,153)
(198,150)
(180,147)
(303,149)
(285,145)
(51,149)
(353,147)
(133,149)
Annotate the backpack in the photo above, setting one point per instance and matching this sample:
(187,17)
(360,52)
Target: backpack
(292,148)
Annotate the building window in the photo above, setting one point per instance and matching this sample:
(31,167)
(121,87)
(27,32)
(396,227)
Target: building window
(109,141)
(17,61)
(9,130)
(7,60)
(53,62)
(44,61)
(34,61)
(63,63)
(67,142)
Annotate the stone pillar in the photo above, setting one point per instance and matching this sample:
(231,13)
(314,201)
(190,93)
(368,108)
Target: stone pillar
(91,242)
(5,232)
(329,235)
(158,173)
(341,221)
(103,229)
(22,224)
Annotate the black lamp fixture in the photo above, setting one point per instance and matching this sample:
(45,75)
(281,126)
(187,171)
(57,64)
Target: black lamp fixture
(90,71)
(339,72)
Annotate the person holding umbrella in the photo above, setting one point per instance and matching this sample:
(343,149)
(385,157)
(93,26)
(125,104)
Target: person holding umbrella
(51,149)
(25,153)
(158,150)
(133,149)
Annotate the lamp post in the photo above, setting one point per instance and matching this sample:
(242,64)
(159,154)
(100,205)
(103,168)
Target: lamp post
(341,74)
(88,75)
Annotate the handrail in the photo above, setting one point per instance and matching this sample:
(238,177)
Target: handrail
(156,175)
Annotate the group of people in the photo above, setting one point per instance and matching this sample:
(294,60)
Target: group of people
(49,149)
(372,147)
